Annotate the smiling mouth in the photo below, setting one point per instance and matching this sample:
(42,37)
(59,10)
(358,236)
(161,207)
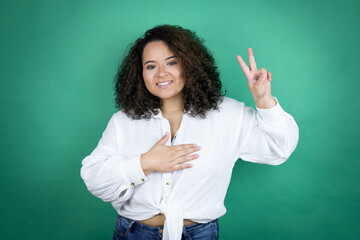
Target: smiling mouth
(164,83)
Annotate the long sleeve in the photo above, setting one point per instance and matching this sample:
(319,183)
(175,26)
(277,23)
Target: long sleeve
(109,175)
(268,136)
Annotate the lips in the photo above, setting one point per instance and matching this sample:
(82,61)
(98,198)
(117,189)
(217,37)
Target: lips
(164,83)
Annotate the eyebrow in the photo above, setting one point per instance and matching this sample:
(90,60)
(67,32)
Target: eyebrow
(154,61)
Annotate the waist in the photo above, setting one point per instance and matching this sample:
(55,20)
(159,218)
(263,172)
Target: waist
(159,220)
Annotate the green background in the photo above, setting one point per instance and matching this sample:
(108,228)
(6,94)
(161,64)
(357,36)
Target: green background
(57,64)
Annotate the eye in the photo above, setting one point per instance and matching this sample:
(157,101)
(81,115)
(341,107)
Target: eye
(172,63)
(150,67)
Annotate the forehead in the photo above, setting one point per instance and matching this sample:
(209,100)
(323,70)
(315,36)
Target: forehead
(157,49)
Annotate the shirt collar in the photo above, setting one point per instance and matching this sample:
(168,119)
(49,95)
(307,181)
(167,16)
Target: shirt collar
(159,115)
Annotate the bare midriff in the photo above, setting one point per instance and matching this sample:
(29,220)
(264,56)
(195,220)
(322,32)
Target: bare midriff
(158,221)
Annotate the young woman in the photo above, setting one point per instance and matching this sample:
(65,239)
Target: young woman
(165,158)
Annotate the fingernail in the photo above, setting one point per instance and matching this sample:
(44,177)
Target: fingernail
(264,74)
(270,79)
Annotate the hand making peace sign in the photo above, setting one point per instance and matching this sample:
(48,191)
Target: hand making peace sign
(258,81)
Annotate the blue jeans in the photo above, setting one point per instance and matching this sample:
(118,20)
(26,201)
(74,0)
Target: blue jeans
(129,229)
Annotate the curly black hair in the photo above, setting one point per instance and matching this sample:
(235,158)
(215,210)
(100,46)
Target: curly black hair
(202,90)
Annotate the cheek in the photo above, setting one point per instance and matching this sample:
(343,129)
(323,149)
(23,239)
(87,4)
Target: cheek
(182,78)
(147,77)
(182,84)
(147,81)
(177,74)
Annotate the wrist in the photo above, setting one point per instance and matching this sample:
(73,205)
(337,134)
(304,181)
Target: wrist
(266,102)
(144,164)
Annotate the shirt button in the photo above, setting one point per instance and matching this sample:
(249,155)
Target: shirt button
(132,184)
(142,180)
(168,183)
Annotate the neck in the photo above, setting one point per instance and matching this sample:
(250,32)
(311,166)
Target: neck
(172,105)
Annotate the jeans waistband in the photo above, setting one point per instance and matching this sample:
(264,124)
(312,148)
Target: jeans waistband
(189,228)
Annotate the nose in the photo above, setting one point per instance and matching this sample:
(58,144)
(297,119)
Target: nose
(162,72)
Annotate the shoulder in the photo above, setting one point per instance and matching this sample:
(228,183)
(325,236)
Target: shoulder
(120,117)
(229,108)
(231,104)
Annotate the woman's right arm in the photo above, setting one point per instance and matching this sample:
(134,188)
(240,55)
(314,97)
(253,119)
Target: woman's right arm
(107,174)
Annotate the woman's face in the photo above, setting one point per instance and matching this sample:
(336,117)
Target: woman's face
(162,71)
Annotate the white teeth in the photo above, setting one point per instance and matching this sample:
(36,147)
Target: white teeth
(164,83)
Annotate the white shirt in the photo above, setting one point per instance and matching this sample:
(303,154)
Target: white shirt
(113,173)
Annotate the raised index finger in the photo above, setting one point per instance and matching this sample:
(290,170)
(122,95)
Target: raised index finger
(252,60)
(243,66)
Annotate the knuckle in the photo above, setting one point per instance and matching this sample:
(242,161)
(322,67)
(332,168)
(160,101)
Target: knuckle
(263,70)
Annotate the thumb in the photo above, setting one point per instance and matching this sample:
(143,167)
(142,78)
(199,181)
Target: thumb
(164,139)
(262,78)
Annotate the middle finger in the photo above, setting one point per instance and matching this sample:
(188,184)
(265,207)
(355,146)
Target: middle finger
(252,62)
(186,151)
(184,146)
